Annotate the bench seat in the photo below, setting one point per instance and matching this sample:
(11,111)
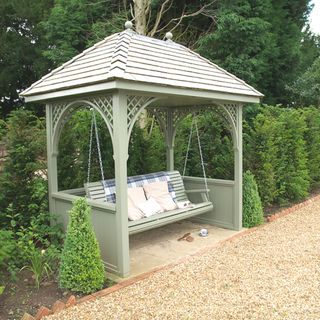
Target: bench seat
(95,191)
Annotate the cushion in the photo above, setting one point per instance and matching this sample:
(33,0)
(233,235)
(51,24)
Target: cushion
(136,196)
(136,181)
(150,207)
(159,191)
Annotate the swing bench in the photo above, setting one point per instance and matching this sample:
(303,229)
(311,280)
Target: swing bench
(100,190)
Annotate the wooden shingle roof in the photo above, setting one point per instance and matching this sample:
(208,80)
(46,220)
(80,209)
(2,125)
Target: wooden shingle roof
(138,58)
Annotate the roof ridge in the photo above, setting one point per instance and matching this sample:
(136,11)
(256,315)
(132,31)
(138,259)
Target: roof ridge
(221,69)
(54,71)
(119,57)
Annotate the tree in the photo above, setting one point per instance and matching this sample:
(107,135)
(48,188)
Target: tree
(259,41)
(306,89)
(22,42)
(81,268)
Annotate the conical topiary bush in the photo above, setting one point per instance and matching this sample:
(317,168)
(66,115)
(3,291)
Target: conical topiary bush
(252,207)
(81,267)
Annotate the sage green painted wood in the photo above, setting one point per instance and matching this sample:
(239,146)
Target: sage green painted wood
(120,149)
(103,217)
(51,159)
(95,191)
(238,172)
(221,194)
(170,141)
(168,217)
(138,88)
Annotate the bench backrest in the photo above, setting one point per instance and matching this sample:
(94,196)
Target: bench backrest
(96,190)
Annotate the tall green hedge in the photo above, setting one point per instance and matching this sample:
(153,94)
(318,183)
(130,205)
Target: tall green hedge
(280,158)
(312,143)
(81,268)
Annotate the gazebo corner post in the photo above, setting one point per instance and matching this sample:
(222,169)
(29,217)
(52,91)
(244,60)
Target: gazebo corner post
(238,171)
(120,151)
(51,158)
(170,141)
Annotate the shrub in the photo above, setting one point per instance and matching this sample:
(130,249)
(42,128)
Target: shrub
(252,208)
(21,190)
(6,247)
(81,266)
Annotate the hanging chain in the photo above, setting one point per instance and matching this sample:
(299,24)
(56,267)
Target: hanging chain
(98,144)
(94,125)
(188,148)
(90,151)
(201,159)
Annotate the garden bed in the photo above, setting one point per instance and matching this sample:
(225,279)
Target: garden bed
(22,296)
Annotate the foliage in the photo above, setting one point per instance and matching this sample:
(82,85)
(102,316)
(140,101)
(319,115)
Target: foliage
(280,161)
(216,145)
(22,42)
(73,25)
(242,42)
(261,42)
(306,88)
(252,207)
(81,266)
(312,138)
(39,265)
(21,190)
(7,245)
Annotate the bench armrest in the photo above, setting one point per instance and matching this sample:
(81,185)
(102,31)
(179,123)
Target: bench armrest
(203,192)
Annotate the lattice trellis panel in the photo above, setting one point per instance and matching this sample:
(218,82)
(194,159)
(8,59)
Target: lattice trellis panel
(134,105)
(104,103)
(228,112)
(62,111)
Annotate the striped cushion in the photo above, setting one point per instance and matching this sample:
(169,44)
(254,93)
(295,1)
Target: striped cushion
(137,181)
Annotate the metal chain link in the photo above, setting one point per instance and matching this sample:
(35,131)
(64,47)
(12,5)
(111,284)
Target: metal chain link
(201,159)
(94,125)
(90,151)
(195,124)
(188,147)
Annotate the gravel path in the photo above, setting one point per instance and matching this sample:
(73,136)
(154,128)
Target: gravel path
(272,273)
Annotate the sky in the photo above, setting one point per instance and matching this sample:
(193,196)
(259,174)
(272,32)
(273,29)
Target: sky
(315,17)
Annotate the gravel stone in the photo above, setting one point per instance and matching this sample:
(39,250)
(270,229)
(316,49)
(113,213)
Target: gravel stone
(271,273)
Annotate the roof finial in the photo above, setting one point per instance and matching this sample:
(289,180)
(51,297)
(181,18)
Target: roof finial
(168,35)
(128,25)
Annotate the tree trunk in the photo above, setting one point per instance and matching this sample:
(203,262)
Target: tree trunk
(140,13)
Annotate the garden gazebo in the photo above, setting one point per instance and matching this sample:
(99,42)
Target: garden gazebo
(120,77)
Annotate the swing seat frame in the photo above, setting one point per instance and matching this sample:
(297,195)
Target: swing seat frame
(95,191)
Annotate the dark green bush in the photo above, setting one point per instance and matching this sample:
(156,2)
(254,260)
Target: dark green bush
(252,207)
(81,268)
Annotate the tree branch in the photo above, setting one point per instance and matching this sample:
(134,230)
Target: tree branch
(183,16)
(163,9)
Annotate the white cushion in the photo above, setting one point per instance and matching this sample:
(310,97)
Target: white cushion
(136,196)
(150,207)
(159,191)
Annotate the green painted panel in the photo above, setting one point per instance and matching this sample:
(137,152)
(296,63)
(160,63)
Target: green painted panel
(221,194)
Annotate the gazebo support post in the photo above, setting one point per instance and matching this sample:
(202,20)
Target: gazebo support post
(120,149)
(170,141)
(238,171)
(52,154)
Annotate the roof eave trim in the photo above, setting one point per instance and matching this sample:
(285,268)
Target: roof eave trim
(143,88)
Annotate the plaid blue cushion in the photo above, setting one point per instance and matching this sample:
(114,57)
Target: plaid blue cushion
(137,181)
